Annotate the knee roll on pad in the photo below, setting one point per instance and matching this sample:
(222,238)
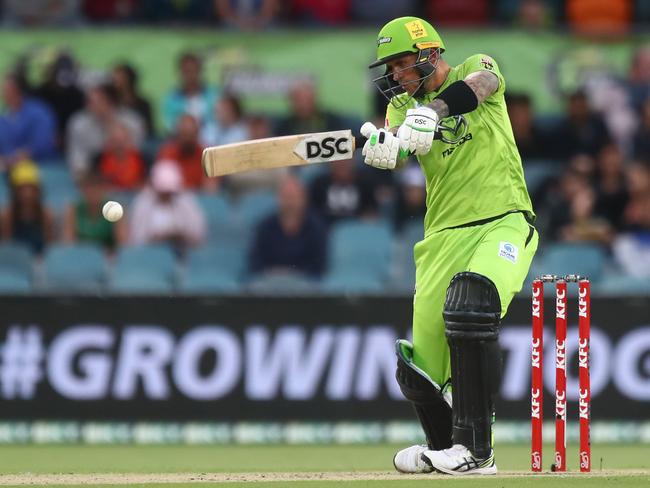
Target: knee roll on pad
(431,406)
(472,307)
(472,313)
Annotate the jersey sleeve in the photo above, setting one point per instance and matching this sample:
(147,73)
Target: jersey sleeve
(483,62)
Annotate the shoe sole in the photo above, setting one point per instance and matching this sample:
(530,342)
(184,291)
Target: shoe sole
(492,470)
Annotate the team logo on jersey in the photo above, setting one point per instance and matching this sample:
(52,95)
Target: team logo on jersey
(384,40)
(487,63)
(508,251)
(453,129)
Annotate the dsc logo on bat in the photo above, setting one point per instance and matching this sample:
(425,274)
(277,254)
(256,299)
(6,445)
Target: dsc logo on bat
(326,146)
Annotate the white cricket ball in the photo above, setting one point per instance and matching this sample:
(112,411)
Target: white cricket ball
(112,211)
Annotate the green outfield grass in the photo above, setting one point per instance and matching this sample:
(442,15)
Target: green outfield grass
(24,460)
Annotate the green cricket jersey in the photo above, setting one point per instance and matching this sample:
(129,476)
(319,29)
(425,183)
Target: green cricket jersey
(480,175)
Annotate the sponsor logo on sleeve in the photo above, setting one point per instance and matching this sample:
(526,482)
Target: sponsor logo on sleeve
(508,251)
(487,63)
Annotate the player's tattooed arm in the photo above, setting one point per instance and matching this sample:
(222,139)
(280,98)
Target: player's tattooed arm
(440,107)
(483,84)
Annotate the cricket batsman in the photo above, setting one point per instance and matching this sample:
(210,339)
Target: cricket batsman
(478,244)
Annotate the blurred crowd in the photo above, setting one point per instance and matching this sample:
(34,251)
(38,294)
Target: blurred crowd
(587,16)
(588,168)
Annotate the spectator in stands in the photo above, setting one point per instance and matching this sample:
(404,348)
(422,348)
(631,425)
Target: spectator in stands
(124,78)
(258,127)
(316,12)
(164,213)
(41,13)
(596,17)
(185,149)
(343,193)
(639,77)
(581,131)
(177,12)
(305,115)
(27,127)
(120,161)
(114,11)
(192,97)
(228,125)
(572,214)
(26,220)
(530,140)
(382,11)
(641,141)
(88,128)
(534,14)
(83,221)
(292,241)
(611,188)
(636,213)
(410,205)
(458,12)
(61,92)
(632,248)
(246,15)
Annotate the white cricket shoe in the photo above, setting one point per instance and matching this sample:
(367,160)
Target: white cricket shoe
(458,460)
(410,460)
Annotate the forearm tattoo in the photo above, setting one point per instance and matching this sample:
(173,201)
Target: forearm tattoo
(440,107)
(482,83)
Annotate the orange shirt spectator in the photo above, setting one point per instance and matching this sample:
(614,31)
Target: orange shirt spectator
(121,162)
(184,148)
(599,16)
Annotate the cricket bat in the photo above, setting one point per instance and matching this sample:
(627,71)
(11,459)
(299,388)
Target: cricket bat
(277,152)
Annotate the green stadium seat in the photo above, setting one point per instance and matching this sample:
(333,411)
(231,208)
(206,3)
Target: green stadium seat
(79,268)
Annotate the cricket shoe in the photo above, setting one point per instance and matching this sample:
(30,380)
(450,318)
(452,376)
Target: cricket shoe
(410,460)
(458,460)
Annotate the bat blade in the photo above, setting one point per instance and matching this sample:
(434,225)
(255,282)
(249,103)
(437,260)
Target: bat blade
(277,152)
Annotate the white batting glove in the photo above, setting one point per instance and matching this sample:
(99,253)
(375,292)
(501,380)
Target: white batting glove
(381,150)
(417,131)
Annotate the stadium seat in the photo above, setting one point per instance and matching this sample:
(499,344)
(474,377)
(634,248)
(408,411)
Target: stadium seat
(583,259)
(4,192)
(201,283)
(255,206)
(214,269)
(341,282)
(361,247)
(14,284)
(224,226)
(618,285)
(77,267)
(536,172)
(144,269)
(275,283)
(403,265)
(15,268)
(59,188)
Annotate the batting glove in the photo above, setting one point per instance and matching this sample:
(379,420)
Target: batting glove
(381,150)
(417,131)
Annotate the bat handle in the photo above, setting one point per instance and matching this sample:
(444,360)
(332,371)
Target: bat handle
(360,141)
